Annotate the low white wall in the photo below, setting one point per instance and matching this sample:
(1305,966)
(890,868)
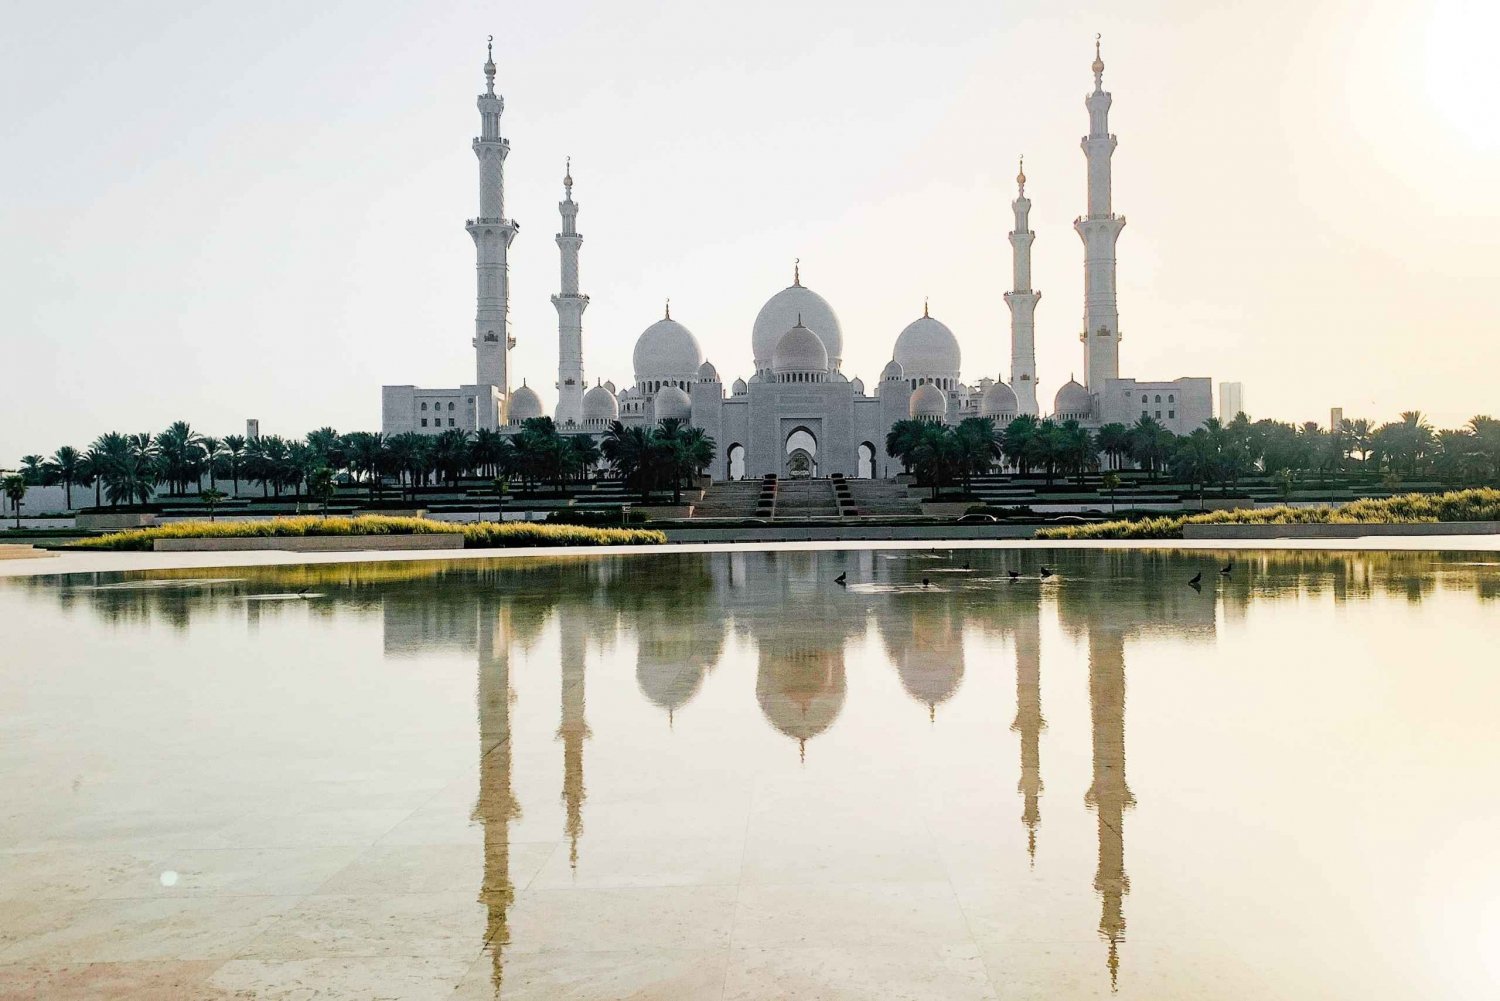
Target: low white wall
(1338,531)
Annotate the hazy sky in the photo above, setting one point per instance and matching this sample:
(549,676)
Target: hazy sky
(216,211)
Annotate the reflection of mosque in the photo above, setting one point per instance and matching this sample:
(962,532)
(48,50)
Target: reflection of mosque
(680,615)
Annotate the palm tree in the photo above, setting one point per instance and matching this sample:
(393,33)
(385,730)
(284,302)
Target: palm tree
(1486,431)
(1110,481)
(15,492)
(901,441)
(178,450)
(1017,442)
(452,454)
(584,454)
(936,457)
(212,497)
(1076,450)
(699,450)
(1114,441)
(368,455)
(629,452)
(977,449)
(66,465)
(213,452)
(234,451)
(320,486)
(33,469)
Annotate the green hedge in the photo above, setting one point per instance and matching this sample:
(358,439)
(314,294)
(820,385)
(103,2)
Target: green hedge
(1481,504)
(480,535)
(596,517)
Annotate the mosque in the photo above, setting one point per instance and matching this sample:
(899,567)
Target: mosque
(799,413)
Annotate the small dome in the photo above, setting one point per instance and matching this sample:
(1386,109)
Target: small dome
(707,372)
(672,402)
(928,403)
(667,350)
(740,389)
(796,305)
(610,385)
(928,348)
(524,405)
(999,400)
(892,372)
(1072,399)
(599,404)
(859,386)
(799,350)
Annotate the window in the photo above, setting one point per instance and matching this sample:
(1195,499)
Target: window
(1158,397)
(451,422)
(1171,398)
(1158,415)
(1144,414)
(450,404)
(1172,413)
(424,406)
(424,420)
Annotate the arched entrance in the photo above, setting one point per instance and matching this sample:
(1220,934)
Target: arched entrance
(865,470)
(801,454)
(734,462)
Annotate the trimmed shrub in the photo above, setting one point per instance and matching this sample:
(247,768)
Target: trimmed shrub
(482,535)
(596,517)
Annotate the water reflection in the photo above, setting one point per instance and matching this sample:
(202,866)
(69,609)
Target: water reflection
(680,613)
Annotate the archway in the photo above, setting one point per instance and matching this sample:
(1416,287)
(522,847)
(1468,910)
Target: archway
(734,462)
(865,470)
(801,453)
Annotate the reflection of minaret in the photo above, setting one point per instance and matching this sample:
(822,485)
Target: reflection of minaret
(1109,796)
(1029,721)
(573,730)
(496,806)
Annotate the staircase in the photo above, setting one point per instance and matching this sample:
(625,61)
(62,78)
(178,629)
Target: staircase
(882,497)
(731,499)
(796,499)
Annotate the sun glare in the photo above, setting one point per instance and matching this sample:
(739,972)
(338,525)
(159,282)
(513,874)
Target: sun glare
(1461,38)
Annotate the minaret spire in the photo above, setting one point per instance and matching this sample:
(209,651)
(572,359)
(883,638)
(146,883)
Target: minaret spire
(570,305)
(1022,300)
(1099,230)
(492,234)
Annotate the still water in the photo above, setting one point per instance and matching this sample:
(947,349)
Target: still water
(712,775)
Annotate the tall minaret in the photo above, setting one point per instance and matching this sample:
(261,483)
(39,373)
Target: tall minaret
(570,306)
(573,729)
(1109,796)
(492,234)
(1099,231)
(1022,302)
(1029,721)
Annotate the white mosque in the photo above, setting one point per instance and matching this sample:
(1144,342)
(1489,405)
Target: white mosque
(798,414)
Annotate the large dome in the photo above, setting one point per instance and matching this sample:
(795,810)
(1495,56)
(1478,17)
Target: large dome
(928,403)
(928,349)
(782,312)
(998,401)
(1072,400)
(599,404)
(524,405)
(667,350)
(799,350)
(671,402)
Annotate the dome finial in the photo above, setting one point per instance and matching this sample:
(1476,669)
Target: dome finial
(568,175)
(1021,175)
(796,271)
(925,314)
(489,64)
(669,309)
(1098,62)
(799,319)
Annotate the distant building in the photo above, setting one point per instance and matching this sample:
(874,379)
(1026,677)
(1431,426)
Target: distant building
(1231,400)
(1336,419)
(798,414)
(252,428)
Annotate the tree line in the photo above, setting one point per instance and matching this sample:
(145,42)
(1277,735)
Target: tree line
(1215,455)
(133,468)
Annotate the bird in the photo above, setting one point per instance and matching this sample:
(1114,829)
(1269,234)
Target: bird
(1045,573)
(1228,568)
(841,579)
(1195,586)
(1197,579)
(966,564)
(1015,575)
(303,593)
(924,581)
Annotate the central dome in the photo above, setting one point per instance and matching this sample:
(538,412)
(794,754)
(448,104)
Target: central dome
(667,350)
(799,350)
(781,313)
(928,349)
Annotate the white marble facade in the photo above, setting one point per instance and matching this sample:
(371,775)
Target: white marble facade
(798,412)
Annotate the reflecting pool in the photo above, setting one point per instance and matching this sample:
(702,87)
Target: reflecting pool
(732,775)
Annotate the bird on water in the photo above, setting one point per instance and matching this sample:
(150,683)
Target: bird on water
(1045,573)
(1015,575)
(841,579)
(1228,568)
(1197,579)
(924,581)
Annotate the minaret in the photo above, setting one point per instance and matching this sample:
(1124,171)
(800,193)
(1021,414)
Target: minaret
(1029,722)
(492,234)
(573,729)
(1099,230)
(1022,301)
(1109,796)
(570,306)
